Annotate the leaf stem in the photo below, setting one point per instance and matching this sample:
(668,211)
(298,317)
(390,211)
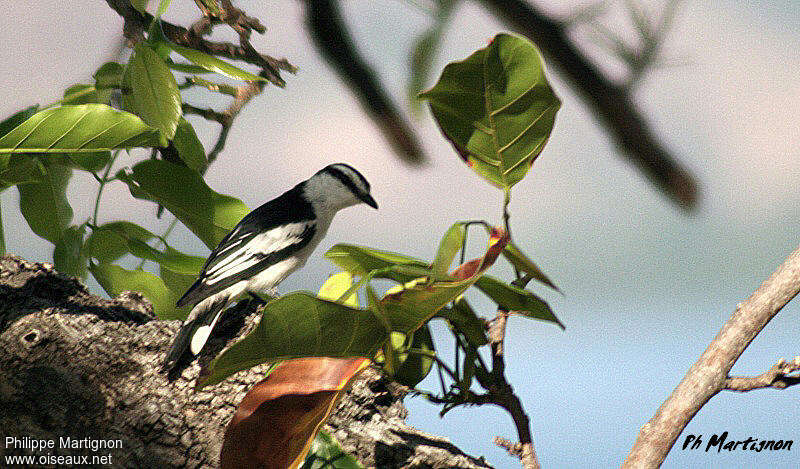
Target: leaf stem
(102,184)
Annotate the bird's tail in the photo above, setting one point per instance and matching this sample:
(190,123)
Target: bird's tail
(195,330)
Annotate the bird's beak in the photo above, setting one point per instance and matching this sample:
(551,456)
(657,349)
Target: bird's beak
(367,199)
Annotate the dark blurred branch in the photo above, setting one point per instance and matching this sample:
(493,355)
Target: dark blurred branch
(609,101)
(330,35)
(709,375)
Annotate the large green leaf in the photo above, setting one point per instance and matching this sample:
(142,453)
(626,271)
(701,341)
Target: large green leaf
(115,280)
(496,108)
(44,204)
(302,325)
(84,128)
(150,92)
(17,119)
(326,453)
(189,147)
(22,169)
(68,255)
(361,260)
(110,241)
(181,190)
(109,75)
(516,299)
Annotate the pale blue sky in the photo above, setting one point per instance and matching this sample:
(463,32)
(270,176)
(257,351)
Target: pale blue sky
(646,287)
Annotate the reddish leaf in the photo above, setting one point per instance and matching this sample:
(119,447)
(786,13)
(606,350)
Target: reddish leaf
(277,420)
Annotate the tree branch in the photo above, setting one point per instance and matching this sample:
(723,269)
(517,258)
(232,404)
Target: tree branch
(611,102)
(79,366)
(709,375)
(776,377)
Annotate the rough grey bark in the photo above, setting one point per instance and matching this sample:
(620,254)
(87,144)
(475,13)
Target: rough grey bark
(76,365)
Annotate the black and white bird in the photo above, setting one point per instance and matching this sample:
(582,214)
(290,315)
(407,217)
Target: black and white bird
(265,247)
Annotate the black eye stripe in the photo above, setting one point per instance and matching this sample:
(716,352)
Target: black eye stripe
(342,177)
(354,170)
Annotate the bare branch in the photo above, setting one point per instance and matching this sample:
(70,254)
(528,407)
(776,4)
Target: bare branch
(776,378)
(709,375)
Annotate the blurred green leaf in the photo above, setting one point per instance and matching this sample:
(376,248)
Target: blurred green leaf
(424,50)
(463,318)
(109,75)
(302,325)
(150,92)
(44,204)
(181,190)
(84,128)
(115,280)
(496,108)
(68,256)
(516,299)
(213,64)
(415,358)
(189,147)
(449,246)
(326,453)
(18,118)
(85,94)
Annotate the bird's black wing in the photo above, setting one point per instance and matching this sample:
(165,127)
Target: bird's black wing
(266,236)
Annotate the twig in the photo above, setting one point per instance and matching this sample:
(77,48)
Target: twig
(776,378)
(709,375)
(612,103)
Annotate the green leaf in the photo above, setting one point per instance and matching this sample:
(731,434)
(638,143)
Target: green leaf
(302,325)
(109,241)
(68,256)
(360,260)
(326,453)
(519,260)
(150,92)
(85,94)
(162,7)
(516,299)
(463,318)
(115,280)
(337,285)
(140,5)
(44,204)
(449,246)
(213,64)
(17,119)
(109,75)
(22,169)
(85,128)
(424,50)
(181,190)
(189,147)
(187,68)
(415,358)
(91,162)
(496,108)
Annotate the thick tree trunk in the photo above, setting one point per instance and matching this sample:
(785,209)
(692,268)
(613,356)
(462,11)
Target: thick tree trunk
(79,370)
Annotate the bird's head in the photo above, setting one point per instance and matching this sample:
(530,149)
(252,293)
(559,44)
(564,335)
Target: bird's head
(338,186)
